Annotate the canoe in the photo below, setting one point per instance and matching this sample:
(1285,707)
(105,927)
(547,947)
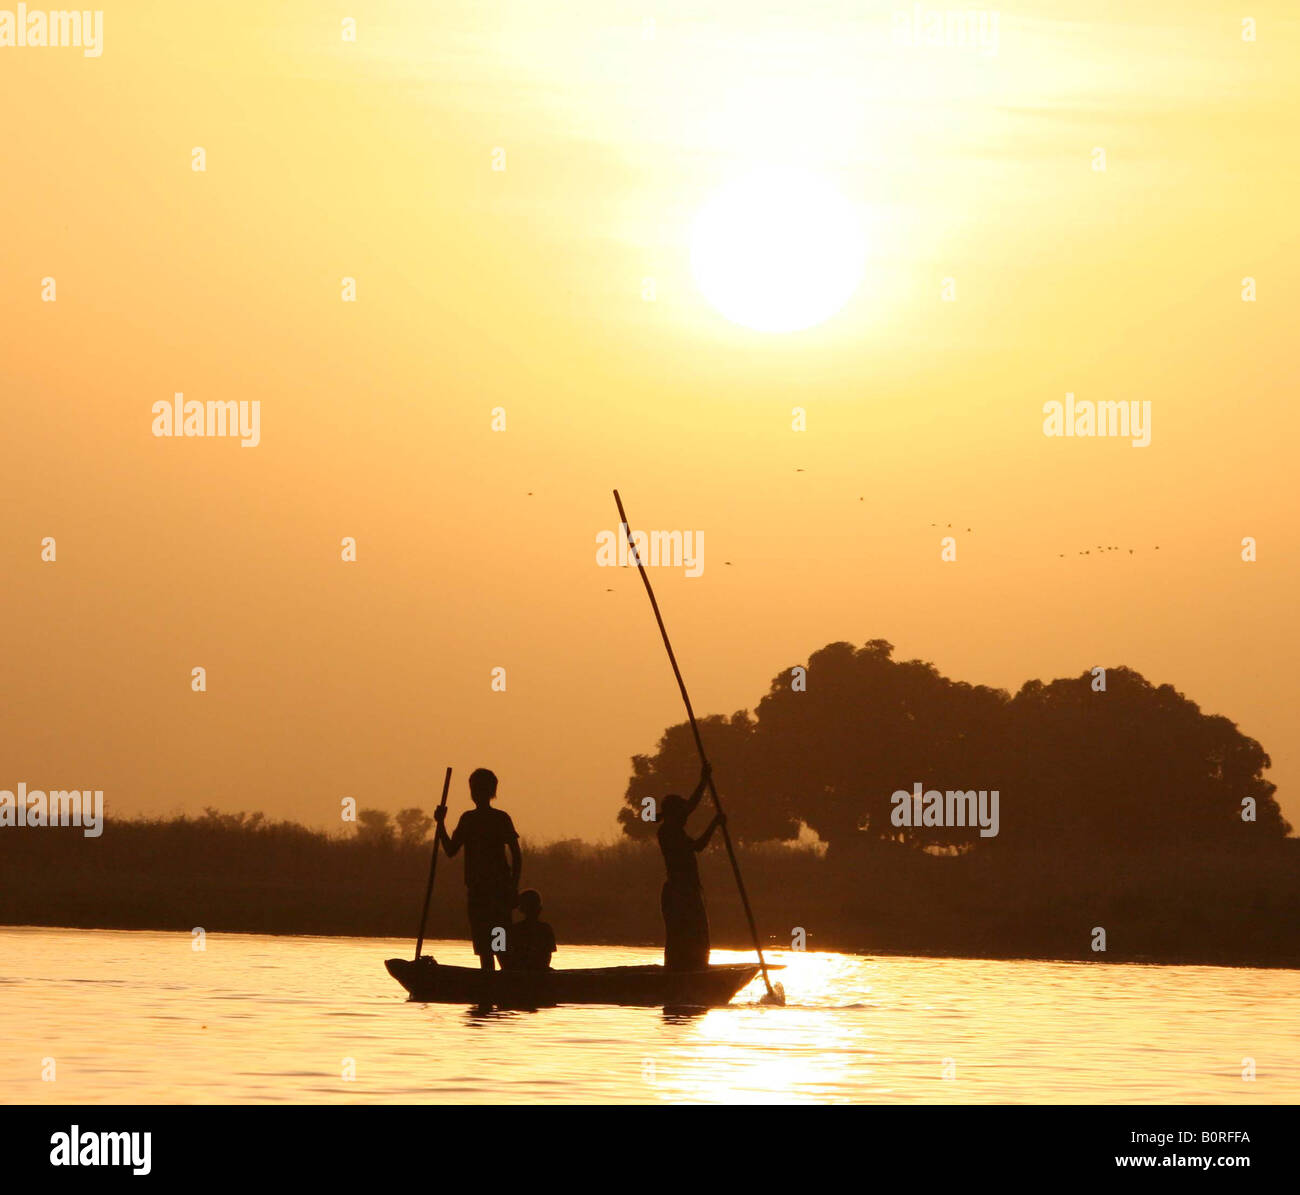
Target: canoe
(645,986)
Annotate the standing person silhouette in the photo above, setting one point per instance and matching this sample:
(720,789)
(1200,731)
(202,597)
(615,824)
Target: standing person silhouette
(491,883)
(686,924)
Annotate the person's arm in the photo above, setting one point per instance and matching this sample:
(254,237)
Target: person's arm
(516,859)
(450,845)
(516,863)
(705,772)
(719,819)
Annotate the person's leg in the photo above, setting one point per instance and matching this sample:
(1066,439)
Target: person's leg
(691,931)
(480,932)
(504,917)
(701,936)
(499,934)
(676,931)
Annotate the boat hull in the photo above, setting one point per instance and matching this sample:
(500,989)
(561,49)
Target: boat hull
(645,986)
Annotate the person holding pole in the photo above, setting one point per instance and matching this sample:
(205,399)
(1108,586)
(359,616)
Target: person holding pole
(686,922)
(775,994)
(491,882)
(438,815)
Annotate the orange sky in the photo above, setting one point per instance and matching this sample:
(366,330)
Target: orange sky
(522,288)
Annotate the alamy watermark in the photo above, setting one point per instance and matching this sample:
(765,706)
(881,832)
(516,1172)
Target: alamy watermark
(84,1147)
(189,417)
(55,28)
(952,807)
(654,549)
(58,807)
(1126,419)
(947,28)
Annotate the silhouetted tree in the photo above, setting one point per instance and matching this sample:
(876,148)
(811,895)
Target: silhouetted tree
(413,826)
(214,819)
(675,768)
(374,827)
(1135,763)
(867,725)
(1132,764)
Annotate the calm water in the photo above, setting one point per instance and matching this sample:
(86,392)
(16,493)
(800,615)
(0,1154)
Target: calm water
(141,1017)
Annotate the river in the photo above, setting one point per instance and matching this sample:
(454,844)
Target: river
(93,1016)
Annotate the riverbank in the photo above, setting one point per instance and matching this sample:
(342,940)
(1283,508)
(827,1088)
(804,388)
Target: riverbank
(1240,909)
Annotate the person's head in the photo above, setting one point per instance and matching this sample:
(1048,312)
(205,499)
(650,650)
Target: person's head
(530,904)
(674,809)
(482,786)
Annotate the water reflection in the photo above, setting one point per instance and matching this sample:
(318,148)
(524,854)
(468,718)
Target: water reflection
(251,1019)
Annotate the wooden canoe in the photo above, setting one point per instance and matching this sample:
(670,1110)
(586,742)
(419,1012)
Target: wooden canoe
(649,986)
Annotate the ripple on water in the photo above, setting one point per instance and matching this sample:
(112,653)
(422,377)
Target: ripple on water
(137,1018)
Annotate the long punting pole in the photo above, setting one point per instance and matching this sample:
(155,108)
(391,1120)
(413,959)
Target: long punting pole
(699,743)
(433,869)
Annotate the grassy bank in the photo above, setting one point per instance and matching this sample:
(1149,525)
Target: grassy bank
(1234,908)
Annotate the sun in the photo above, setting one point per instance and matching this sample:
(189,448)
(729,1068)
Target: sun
(778,250)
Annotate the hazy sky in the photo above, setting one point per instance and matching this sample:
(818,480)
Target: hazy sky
(522,288)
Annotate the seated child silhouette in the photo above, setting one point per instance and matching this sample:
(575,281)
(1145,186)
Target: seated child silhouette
(530,942)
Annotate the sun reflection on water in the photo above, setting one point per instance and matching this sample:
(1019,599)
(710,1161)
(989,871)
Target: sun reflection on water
(140,1018)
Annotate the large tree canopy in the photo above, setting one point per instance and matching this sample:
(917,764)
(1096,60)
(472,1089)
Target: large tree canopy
(828,746)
